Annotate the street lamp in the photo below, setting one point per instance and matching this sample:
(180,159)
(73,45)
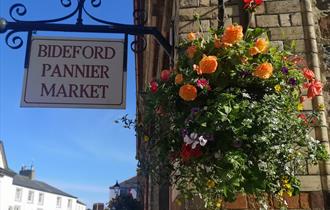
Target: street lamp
(116,189)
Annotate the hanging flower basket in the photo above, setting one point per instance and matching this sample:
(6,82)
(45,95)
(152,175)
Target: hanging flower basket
(228,119)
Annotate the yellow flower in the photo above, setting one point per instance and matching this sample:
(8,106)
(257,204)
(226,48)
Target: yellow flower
(178,202)
(278,88)
(286,187)
(219,203)
(146,138)
(210,183)
(321,107)
(280,193)
(285,180)
(300,107)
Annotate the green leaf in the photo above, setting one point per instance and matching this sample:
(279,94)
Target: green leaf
(227,109)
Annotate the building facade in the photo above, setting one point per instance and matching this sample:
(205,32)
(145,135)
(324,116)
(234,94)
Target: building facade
(303,22)
(126,187)
(23,192)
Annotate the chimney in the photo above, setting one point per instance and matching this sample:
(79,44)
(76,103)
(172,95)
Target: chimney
(98,206)
(29,173)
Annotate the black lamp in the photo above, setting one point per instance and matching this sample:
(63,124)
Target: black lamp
(116,188)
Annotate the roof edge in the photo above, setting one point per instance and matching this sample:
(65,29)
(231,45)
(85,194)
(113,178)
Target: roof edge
(2,150)
(7,172)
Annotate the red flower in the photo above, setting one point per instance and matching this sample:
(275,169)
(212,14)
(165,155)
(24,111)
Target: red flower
(308,74)
(153,86)
(303,99)
(187,152)
(314,88)
(252,4)
(303,118)
(165,75)
(257,2)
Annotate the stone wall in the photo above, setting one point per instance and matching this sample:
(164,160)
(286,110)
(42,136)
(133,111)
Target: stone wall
(322,17)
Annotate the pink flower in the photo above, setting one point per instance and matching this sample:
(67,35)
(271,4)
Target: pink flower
(165,75)
(308,74)
(153,86)
(314,88)
(203,84)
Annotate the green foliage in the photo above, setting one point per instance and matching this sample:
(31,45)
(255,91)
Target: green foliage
(125,202)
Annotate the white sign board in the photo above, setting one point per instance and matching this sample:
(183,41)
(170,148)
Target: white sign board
(76,73)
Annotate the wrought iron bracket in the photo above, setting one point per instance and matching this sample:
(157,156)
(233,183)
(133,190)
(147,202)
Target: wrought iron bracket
(15,41)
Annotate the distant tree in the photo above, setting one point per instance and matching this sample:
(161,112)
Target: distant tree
(125,202)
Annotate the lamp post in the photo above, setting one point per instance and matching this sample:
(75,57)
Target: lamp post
(116,189)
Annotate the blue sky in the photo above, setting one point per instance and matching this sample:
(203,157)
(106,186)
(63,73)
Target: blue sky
(81,151)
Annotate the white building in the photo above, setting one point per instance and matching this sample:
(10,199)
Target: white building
(22,192)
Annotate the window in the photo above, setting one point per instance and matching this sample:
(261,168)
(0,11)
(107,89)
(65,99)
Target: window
(17,207)
(30,196)
(18,194)
(69,204)
(41,199)
(58,202)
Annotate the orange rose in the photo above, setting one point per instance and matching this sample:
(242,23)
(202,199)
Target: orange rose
(253,51)
(178,79)
(232,34)
(196,68)
(188,92)
(217,42)
(263,71)
(208,64)
(191,50)
(262,45)
(191,36)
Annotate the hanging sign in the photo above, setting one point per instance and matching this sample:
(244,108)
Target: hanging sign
(75,73)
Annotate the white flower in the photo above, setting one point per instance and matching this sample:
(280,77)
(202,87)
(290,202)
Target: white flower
(246,95)
(194,140)
(202,141)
